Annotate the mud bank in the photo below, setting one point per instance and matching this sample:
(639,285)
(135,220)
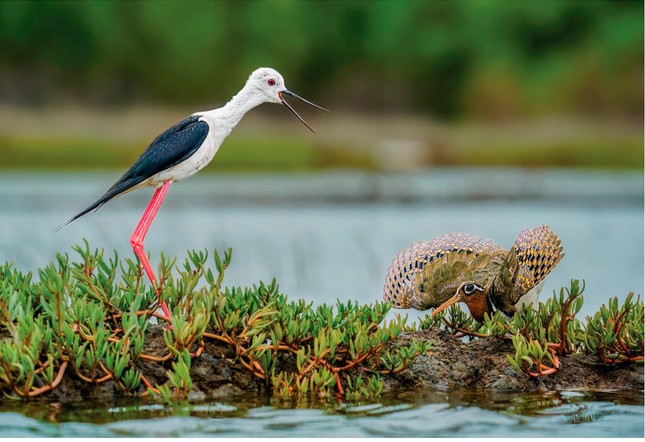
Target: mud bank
(450,364)
(481,365)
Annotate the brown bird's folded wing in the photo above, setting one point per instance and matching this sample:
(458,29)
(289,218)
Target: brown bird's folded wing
(422,275)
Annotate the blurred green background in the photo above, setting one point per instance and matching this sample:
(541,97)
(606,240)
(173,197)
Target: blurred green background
(410,84)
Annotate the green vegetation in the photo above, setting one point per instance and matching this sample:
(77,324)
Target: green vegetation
(441,63)
(261,155)
(272,154)
(87,321)
(487,59)
(614,334)
(625,153)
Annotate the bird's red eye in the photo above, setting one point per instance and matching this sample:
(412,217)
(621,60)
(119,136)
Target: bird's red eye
(271,82)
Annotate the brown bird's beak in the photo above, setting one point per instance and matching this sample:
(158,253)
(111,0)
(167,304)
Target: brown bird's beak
(293,111)
(454,300)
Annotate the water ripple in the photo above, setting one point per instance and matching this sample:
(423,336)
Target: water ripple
(424,415)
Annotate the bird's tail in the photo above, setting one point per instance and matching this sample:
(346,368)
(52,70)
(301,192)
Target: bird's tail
(119,188)
(95,206)
(534,255)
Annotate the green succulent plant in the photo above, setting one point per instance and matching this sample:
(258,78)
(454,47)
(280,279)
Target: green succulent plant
(89,320)
(540,337)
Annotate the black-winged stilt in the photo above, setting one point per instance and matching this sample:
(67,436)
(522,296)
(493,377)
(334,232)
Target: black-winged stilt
(186,148)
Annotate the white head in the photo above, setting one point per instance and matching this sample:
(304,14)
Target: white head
(269,84)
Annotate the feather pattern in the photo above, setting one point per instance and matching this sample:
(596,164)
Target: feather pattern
(532,257)
(422,275)
(429,273)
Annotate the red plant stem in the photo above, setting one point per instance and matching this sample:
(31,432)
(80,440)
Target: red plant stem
(270,347)
(339,385)
(617,331)
(46,388)
(105,378)
(359,360)
(199,351)
(147,383)
(226,339)
(42,367)
(252,369)
(563,328)
(257,366)
(155,358)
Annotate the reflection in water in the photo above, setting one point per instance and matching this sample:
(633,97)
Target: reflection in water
(429,414)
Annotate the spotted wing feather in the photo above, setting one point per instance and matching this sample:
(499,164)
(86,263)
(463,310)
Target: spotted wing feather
(446,252)
(534,255)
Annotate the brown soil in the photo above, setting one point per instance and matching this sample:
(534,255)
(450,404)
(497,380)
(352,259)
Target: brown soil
(450,364)
(481,365)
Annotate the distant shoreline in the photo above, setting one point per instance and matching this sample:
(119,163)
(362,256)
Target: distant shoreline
(79,137)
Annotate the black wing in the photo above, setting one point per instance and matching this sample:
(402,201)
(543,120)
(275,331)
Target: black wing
(172,147)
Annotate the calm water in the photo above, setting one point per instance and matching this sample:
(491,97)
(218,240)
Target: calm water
(559,414)
(332,236)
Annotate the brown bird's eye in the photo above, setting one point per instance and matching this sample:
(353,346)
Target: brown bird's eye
(271,82)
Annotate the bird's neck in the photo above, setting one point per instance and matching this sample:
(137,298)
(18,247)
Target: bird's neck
(227,116)
(479,305)
(245,100)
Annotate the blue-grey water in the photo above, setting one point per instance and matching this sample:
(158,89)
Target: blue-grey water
(333,235)
(556,414)
(329,236)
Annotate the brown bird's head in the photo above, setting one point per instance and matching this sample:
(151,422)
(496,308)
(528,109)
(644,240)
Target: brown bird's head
(474,295)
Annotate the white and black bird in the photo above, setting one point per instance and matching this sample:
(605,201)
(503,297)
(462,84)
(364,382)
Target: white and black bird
(188,147)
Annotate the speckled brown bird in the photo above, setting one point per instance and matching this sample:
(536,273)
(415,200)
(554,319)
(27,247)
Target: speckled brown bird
(460,267)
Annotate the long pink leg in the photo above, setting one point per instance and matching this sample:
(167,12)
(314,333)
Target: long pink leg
(139,235)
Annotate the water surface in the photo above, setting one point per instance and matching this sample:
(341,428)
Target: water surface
(556,414)
(332,236)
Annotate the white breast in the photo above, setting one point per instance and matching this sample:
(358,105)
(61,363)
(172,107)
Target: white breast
(530,298)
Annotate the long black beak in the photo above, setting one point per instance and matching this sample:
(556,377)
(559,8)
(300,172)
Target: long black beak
(293,111)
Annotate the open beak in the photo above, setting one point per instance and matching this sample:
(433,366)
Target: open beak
(454,300)
(293,111)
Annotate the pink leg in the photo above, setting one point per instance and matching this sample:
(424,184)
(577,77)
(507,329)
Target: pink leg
(139,235)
